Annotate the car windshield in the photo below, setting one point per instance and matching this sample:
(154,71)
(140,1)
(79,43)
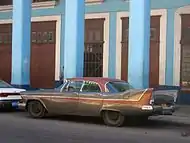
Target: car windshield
(4,84)
(118,86)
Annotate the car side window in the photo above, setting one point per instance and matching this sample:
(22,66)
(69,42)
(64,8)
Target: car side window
(73,86)
(91,87)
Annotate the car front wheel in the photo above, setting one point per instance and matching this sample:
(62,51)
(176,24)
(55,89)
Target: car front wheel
(113,118)
(36,109)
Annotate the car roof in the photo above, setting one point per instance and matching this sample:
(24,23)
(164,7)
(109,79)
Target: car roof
(100,80)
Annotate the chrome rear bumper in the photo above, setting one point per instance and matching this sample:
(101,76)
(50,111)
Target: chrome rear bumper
(158,110)
(21,106)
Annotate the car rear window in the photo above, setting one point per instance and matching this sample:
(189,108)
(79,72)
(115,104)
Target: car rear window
(118,86)
(91,87)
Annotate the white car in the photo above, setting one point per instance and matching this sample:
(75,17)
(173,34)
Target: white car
(9,96)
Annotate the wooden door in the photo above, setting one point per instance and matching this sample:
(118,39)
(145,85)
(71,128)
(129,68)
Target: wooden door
(6,2)
(5,52)
(185,52)
(124,49)
(154,50)
(43,54)
(94,40)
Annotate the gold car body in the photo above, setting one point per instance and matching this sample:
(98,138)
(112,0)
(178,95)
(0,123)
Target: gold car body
(131,102)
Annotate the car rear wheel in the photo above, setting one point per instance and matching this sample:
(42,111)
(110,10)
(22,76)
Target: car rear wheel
(113,118)
(36,109)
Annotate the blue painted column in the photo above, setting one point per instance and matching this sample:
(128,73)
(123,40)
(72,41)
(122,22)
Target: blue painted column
(21,42)
(139,43)
(112,43)
(170,48)
(74,38)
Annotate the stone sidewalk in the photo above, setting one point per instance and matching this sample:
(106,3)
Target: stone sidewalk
(180,116)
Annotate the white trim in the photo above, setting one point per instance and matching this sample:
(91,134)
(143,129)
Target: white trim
(58,37)
(36,5)
(93,2)
(163,33)
(106,38)
(47,4)
(177,45)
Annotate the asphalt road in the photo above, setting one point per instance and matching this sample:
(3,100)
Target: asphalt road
(19,128)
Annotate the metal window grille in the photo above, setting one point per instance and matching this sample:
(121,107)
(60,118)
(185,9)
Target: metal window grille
(93,59)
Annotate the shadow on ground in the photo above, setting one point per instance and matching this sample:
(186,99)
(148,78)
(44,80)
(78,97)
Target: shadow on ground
(151,124)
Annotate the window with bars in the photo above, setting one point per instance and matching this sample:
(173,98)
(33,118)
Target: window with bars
(94,41)
(46,37)
(10,2)
(93,59)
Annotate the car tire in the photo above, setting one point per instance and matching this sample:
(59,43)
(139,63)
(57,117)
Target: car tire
(116,122)
(36,109)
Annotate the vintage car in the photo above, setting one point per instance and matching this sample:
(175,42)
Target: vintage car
(9,96)
(111,99)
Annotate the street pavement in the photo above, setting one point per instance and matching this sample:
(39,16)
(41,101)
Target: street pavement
(17,127)
(179,120)
(180,116)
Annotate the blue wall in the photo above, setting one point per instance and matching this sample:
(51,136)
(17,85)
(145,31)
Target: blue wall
(170,47)
(113,6)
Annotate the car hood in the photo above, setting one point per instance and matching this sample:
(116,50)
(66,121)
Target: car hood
(11,90)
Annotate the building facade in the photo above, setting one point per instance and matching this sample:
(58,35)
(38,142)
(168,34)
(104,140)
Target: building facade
(106,40)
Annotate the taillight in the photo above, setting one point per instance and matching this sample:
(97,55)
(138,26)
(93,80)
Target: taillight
(3,94)
(8,94)
(151,101)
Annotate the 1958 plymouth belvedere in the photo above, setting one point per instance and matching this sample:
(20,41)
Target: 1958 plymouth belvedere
(111,99)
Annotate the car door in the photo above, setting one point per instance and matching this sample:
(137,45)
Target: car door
(90,99)
(67,101)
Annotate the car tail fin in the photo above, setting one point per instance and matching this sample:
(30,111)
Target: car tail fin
(147,97)
(139,95)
